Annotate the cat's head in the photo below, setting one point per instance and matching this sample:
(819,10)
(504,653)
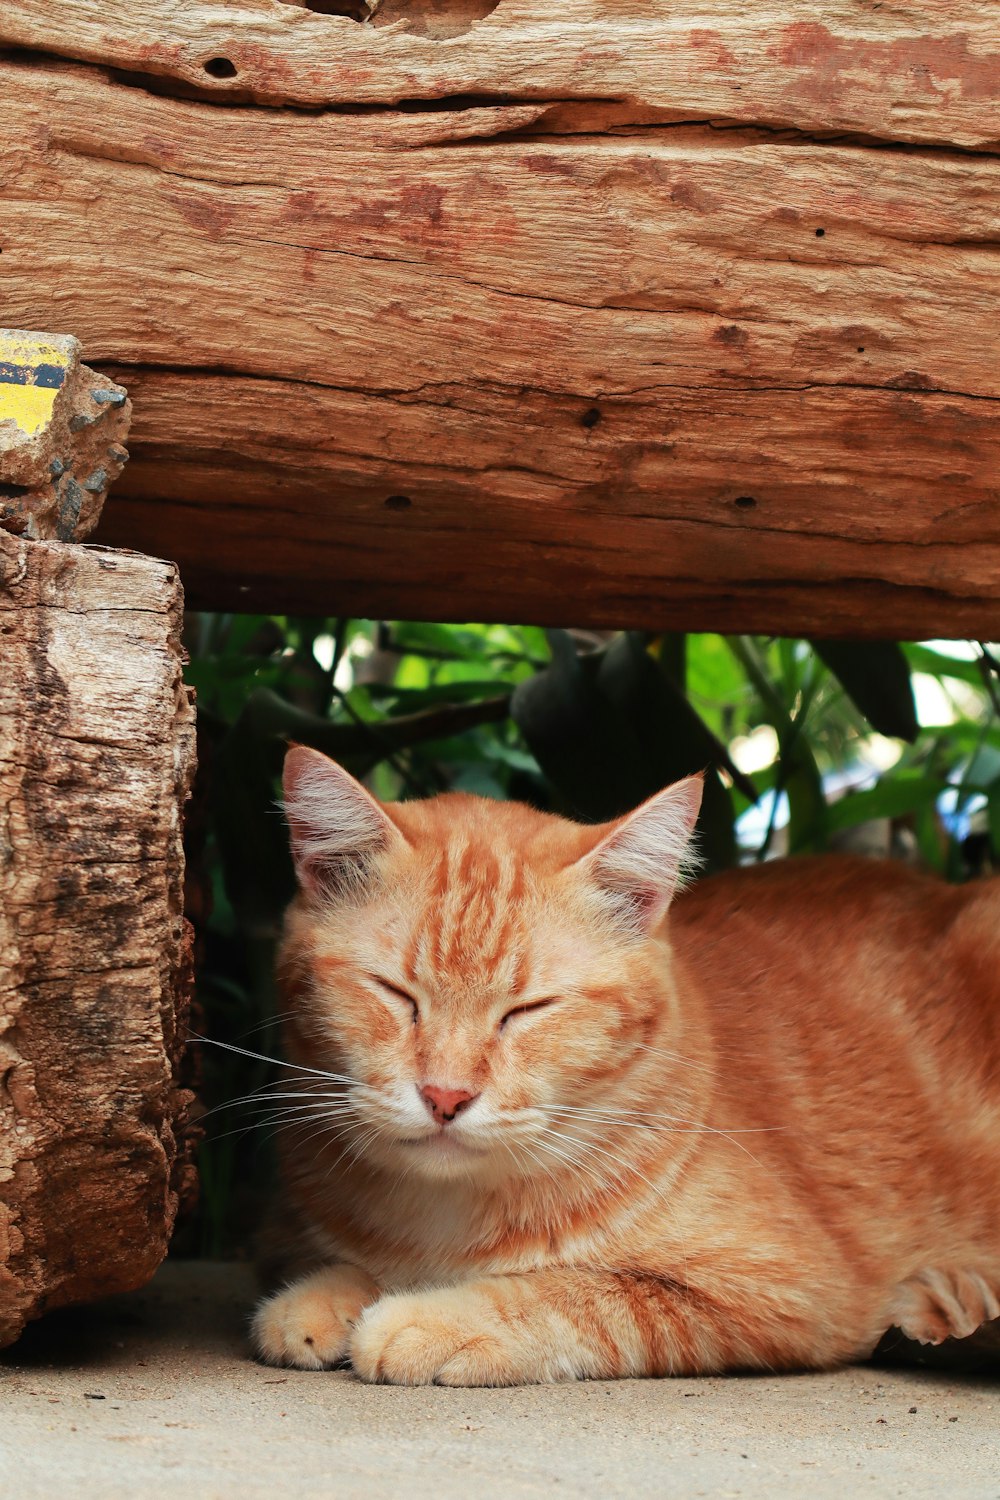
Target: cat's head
(485,975)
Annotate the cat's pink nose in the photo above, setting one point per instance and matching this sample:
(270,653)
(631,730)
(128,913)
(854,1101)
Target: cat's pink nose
(445,1104)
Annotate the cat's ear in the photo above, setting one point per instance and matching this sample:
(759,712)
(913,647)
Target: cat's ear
(337,827)
(640,861)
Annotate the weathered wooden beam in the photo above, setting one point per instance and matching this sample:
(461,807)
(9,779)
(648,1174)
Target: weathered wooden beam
(845,518)
(552,355)
(96,753)
(923,72)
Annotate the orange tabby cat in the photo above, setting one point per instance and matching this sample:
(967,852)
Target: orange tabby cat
(542,1129)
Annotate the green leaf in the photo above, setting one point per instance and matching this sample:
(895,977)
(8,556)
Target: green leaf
(807,807)
(937,664)
(411,700)
(797,771)
(718,686)
(893,797)
(993,817)
(930,838)
(478,781)
(984,767)
(876,676)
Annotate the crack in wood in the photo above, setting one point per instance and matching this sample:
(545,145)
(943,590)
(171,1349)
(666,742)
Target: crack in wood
(749,388)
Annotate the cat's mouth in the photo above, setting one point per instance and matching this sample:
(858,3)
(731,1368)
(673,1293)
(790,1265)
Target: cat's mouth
(445,1142)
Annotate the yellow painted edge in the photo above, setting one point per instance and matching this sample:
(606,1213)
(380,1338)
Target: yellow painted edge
(18,350)
(29,406)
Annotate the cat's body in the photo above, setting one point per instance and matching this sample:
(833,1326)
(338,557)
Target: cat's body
(755,1132)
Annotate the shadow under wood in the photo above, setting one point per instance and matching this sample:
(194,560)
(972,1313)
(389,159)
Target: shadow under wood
(190,1307)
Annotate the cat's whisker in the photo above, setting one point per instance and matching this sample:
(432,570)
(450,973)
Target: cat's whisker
(276,1062)
(631,1167)
(292,1114)
(362,1145)
(264,1127)
(593,1176)
(270,1111)
(608,1121)
(321,1099)
(576,1161)
(512,1154)
(336,1131)
(264,1100)
(584,1147)
(545,1144)
(655,1120)
(617,1160)
(663,1128)
(539,1162)
(335,1126)
(291,1088)
(616,1111)
(676,1057)
(275,1020)
(719,1051)
(686,1127)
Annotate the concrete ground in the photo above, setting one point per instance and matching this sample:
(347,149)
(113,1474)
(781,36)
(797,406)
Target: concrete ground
(155,1396)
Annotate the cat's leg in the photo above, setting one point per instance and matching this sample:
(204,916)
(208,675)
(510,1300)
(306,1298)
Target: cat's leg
(571,1324)
(308,1324)
(937,1305)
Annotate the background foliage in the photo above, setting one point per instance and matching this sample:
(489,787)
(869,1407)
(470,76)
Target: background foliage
(805,747)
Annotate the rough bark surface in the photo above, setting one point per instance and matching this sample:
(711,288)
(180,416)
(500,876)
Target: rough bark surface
(96,751)
(606,313)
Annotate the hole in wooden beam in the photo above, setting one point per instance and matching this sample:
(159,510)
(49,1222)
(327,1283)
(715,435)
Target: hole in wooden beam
(745,502)
(220,67)
(591,417)
(354,10)
(398,502)
(436,19)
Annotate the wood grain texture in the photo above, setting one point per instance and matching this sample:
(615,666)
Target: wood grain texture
(591,348)
(96,753)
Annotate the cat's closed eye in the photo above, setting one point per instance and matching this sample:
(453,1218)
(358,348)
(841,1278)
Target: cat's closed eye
(523,1010)
(397,993)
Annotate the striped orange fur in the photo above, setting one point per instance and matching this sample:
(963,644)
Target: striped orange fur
(539,1127)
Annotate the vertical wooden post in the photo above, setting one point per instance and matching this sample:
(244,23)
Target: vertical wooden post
(96,757)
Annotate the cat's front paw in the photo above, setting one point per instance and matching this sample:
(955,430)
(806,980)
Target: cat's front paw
(445,1337)
(308,1324)
(494,1331)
